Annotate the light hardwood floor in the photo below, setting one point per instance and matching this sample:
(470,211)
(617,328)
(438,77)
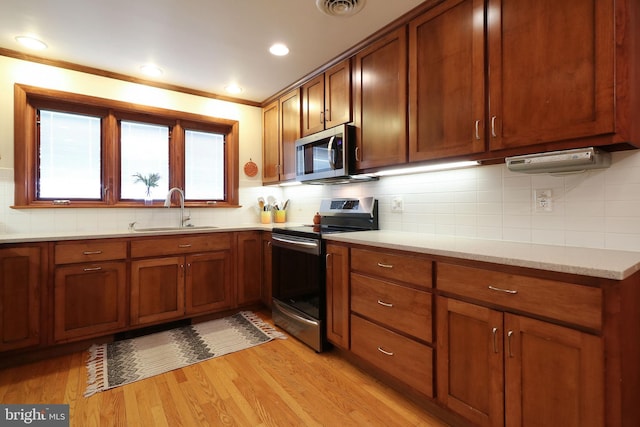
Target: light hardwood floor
(280,383)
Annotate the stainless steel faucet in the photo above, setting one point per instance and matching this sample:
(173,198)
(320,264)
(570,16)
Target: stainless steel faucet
(167,204)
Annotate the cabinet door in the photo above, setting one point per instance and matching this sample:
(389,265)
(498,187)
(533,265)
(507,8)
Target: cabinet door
(266,270)
(290,126)
(313,105)
(209,282)
(89,299)
(21,281)
(249,267)
(446,81)
(380,102)
(337,281)
(337,94)
(157,289)
(470,361)
(555,375)
(270,143)
(551,70)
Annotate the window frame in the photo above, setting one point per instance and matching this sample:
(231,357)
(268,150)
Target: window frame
(28,100)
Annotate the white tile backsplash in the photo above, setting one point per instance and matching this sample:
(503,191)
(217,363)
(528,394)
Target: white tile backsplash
(599,209)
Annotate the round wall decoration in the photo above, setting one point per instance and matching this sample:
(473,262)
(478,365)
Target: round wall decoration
(250,168)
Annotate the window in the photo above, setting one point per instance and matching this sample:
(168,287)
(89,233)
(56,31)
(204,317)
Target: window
(80,151)
(69,156)
(144,151)
(204,157)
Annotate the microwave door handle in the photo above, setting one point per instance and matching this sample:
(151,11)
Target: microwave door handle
(332,162)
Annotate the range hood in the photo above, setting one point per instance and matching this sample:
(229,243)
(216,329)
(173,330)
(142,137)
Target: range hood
(566,161)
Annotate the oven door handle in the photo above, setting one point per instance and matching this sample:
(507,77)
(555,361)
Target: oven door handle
(295,242)
(296,316)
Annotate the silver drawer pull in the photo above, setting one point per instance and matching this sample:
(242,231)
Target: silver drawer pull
(386,304)
(184,246)
(385,265)
(91,252)
(92,269)
(388,353)
(507,291)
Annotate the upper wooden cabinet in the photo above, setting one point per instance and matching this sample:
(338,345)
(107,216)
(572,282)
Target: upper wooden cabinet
(281,128)
(380,102)
(271,142)
(326,99)
(552,72)
(446,81)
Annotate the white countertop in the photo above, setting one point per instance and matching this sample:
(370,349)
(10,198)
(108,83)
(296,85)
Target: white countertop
(604,263)
(71,235)
(608,264)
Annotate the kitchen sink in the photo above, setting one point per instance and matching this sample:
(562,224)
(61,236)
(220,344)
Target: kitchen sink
(174,228)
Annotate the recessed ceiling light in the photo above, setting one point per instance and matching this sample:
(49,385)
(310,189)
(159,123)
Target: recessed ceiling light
(31,42)
(233,89)
(151,70)
(279,49)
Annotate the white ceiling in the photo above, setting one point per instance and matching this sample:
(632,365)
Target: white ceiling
(199,44)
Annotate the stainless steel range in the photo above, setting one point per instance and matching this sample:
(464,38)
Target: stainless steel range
(299,295)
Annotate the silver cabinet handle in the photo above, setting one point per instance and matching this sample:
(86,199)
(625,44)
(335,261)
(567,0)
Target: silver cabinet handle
(91,252)
(385,304)
(92,269)
(477,129)
(494,331)
(385,265)
(507,291)
(357,154)
(388,353)
(509,335)
(327,115)
(321,117)
(185,246)
(493,127)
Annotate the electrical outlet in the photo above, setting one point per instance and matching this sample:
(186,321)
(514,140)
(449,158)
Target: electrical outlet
(543,200)
(397,205)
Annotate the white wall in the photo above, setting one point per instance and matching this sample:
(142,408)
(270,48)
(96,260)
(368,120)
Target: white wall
(596,209)
(30,221)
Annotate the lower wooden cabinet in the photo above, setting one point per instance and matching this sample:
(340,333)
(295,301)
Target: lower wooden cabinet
(267,280)
(168,288)
(501,369)
(249,267)
(408,360)
(89,299)
(21,284)
(337,281)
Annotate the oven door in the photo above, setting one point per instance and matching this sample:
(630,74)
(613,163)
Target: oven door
(299,288)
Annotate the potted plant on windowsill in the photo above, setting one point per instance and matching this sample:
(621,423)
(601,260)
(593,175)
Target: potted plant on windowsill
(150,181)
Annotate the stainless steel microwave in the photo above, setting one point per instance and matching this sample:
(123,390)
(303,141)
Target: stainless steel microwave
(327,157)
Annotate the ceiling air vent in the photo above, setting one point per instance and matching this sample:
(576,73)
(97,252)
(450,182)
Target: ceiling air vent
(340,7)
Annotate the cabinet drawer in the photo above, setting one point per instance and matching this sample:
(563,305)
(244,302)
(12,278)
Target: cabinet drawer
(404,268)
(401,308)
(180,244)
(401,357)
(89,251)
(567,302)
